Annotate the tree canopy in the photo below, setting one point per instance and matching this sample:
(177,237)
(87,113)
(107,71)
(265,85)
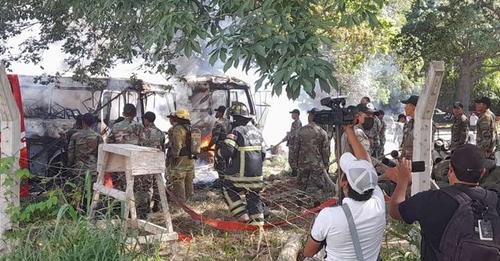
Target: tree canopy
(463,33)
(286,40)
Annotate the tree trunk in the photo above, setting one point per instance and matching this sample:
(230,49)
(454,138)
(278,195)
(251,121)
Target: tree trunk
(465,85)
(467,79)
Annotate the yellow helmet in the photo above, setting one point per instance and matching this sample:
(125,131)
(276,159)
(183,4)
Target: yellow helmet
(182,114)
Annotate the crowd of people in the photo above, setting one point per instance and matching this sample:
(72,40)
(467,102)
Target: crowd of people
(354,229)
(458,222)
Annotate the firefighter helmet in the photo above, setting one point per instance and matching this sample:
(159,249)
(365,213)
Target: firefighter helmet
(182,114)
(239,109)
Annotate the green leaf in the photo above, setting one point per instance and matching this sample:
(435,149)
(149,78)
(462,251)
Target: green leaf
(260,50)
(188,50)
(228,64)
(258,83)
(196,46)
(213,58)
(323,84)
(223,54)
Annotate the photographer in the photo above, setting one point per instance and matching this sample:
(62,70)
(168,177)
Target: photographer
(363,116)
(354,230)
(459,222)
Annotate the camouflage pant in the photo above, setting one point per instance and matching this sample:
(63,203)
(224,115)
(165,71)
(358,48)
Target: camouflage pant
(142,191)
(292,161)
(311,179)
(182,183)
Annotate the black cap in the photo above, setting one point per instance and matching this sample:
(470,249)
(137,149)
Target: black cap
(129,109)
(150,116)
(171,115)
(412,100)
(468,162)
(221,109)
(295,111)
(365,108)
(485,100)
(313,110)
(458,105)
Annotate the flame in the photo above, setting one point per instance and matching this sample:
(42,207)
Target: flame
(205,141)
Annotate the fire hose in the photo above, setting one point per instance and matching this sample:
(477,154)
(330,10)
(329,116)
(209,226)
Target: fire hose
(239,226)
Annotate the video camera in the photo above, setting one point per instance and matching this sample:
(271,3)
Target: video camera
(338,115)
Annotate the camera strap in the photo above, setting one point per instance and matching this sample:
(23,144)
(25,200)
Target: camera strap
(354,232)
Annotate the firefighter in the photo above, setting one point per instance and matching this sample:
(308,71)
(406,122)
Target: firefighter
(243,153)
(181,171)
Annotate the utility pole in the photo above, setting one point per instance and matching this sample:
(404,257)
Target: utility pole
(422,132)
(10,130)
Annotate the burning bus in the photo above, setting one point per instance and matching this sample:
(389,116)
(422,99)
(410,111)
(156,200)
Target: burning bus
(50,106)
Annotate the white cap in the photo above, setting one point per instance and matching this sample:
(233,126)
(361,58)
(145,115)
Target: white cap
(360,174)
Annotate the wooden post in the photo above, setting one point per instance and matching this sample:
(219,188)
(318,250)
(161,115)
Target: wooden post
(422,132)
(10,130)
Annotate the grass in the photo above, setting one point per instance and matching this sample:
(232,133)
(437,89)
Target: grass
(65,236)
(71,240)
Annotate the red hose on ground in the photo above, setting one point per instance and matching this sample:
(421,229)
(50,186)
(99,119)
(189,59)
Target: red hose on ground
(239,226)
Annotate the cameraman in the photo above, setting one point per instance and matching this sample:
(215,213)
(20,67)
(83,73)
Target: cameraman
(363,116)
(364,200)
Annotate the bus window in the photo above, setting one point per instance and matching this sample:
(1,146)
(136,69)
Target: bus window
(240,95)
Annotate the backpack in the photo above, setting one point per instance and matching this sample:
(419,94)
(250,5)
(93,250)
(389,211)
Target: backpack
(193,143)
(460,240)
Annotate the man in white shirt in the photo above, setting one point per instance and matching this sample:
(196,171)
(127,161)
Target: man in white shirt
(366,203)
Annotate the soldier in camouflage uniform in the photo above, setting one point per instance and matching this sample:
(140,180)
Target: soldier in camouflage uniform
(312,154)
(181,171)
(380,115)
(373,134)
(486,138)
(220,129)
(219,132)
(76,127)
(129,131)
(460,128)
(154,138)
(363,113)
(289,138)
(83,147)
(82,158)
(407,143)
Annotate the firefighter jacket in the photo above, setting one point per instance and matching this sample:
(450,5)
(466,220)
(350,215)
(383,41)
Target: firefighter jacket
(180,150)
(243,153)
